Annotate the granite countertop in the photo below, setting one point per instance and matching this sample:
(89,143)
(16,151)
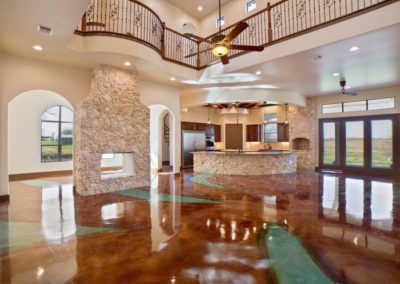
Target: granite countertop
(248,152)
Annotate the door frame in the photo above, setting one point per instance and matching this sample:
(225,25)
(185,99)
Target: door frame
(394,171)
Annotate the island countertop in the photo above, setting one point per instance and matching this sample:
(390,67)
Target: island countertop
(245,163)
(246,152)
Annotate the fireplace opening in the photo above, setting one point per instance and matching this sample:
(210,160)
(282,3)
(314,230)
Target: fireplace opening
(114,165)
(301,144)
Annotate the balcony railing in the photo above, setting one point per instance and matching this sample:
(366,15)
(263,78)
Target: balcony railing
(285,19)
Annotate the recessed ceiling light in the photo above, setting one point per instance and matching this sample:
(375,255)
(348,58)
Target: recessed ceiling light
(200,8)
(37,47)
(354,48)
(258,73)
(127,63)
(172,78)
(335,74)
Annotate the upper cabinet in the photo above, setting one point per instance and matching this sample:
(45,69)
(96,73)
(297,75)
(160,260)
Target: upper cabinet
(210,129)
(253,133)
(218,135)
(283,132)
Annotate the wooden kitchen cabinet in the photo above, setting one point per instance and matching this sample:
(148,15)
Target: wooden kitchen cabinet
(217,133)
(283,132)
(253,133)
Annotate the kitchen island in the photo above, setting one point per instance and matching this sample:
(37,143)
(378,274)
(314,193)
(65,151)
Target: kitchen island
(245,163)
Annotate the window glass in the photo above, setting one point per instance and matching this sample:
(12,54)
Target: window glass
(270,132)
(220,22)
(52,114)
(382,143)
(354,143)
(67,115)
(251,5)
(332,108)
(381,104)
(355,106)
(270,117)
(57,134)
(330,143)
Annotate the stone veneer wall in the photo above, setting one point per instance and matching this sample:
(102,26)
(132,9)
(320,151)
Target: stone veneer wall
(302,124)
(111,120)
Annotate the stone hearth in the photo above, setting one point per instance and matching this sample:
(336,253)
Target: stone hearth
(111,120)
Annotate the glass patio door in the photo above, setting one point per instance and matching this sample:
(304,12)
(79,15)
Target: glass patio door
(362,145)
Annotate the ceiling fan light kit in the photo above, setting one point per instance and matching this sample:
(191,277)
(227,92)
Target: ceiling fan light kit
(221,44)
(220,50)
(344,91)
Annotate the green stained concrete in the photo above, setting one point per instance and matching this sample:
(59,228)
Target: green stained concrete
(15,235)
(145,195)
(43,183)
(203,180)
(290,260)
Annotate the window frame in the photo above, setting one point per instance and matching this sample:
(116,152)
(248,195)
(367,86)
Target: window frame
(249,4)
(59,144)
(366,103)
(270,122)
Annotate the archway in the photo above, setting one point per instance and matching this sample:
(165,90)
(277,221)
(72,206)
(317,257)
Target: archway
(24,137)
(162,140)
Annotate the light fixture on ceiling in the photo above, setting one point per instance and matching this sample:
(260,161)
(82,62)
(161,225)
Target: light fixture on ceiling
(199,8)
(335,74)
(127,63)
(172,79)
(221,43)
(258,73)
(37,47)
(286,109)
(220,50)
(354,48)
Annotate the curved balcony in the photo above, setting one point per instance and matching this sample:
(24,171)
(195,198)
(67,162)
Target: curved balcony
(277,22)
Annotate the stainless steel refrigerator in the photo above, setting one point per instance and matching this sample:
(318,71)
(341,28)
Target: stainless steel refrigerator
(192,141)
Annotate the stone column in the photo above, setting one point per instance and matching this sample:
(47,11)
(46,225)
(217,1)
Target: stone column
(111,120)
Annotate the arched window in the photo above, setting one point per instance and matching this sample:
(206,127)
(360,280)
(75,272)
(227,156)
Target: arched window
(57,134)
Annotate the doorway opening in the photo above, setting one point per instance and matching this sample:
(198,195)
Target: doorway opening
(367,145)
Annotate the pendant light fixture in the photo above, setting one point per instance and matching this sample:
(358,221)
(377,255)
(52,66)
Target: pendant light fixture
(209,120)
(265,112)
(286,120)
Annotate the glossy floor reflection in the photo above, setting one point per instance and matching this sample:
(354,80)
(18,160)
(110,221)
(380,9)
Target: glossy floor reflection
(303,227)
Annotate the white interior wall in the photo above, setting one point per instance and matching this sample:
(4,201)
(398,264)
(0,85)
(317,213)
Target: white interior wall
(232,11)
(154,95)
(20,74)
(24,132)
(173,16)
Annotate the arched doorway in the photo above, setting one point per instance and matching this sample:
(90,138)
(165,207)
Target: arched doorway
(35,116)
(162,141)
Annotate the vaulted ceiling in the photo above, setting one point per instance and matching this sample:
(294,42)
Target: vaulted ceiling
(190,7)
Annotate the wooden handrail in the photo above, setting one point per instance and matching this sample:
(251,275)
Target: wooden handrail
(277,22)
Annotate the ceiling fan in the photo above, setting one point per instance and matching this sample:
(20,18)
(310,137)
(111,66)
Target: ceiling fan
(221,44)
(344,91)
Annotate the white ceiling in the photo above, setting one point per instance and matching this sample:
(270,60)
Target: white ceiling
(376,64)
(190,6)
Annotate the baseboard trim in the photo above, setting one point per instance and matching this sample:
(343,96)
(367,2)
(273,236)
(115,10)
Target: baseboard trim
(18,177)
(5,198)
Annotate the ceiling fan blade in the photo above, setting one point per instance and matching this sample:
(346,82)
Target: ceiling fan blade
(240,27)
(196,53)
(350,94)
(247,47)
(198,38)
(224,59)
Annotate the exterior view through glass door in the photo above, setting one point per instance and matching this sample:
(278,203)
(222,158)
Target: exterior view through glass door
(361,145)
